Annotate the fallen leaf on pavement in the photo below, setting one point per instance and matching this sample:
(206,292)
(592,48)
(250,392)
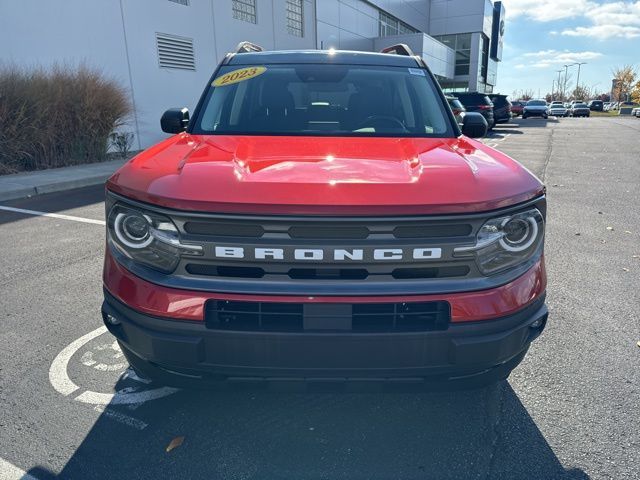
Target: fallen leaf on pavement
(175,443)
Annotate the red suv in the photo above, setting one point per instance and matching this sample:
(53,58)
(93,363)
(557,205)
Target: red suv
(322,218)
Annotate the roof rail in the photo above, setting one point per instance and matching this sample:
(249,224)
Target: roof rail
(248,47)
(398,49)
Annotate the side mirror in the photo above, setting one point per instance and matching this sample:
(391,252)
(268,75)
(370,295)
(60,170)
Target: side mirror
(474,125)
(175,120)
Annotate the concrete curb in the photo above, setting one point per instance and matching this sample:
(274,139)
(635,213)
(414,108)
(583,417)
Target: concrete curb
(22,185)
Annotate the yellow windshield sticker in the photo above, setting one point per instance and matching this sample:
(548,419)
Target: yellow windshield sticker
(238,76)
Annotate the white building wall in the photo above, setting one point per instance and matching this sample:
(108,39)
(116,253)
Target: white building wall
(439,57)
(118,37)
(346,24)
(155,89)
(460,16)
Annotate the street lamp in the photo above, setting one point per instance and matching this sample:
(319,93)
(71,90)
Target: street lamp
(566,73)
(559,72)
(578,81)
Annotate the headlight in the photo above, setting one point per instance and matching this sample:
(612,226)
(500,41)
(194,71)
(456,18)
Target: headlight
(505,242)
(147,238)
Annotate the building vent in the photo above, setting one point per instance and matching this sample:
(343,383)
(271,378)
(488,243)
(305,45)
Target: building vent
(175,52)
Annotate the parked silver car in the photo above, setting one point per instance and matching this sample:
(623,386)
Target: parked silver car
(535,108)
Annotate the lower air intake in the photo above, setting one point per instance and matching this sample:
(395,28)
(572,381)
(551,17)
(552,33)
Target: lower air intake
(327,317)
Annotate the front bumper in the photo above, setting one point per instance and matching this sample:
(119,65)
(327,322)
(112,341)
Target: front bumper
(181,352)
(535,113)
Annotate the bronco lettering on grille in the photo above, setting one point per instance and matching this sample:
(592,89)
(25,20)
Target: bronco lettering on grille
(329,254)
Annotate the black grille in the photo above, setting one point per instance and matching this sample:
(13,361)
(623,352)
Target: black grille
(222,229)
(327,317)
(324,273)
(248,234)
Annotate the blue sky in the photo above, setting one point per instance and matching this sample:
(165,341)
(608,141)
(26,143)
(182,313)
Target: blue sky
(541,36)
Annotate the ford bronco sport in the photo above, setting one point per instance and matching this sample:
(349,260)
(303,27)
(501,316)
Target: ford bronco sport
(322,218)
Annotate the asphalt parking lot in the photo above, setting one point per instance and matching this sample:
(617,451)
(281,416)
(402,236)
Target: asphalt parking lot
(72,410)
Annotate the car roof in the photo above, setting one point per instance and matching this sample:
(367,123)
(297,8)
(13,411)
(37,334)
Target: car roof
(338,57)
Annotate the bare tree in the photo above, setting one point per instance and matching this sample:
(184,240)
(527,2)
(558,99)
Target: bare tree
(582,93)
(523,95)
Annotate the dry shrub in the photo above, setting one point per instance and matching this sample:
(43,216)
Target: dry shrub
(57,117)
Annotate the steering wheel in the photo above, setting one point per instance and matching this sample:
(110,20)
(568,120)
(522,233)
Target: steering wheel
(382,121)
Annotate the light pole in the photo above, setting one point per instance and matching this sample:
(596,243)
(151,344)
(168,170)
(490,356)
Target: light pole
(578,80)
(559,72)
(566,73)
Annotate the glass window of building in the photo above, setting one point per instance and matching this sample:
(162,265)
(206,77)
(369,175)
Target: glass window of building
(244,10)
(403,28)
(484,57)
(295,18)
(390,25)
(461,43)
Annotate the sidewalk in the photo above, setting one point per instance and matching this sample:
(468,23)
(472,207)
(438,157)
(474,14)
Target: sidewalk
(21,185)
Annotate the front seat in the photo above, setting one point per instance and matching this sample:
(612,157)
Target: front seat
(277,109)
(368,101)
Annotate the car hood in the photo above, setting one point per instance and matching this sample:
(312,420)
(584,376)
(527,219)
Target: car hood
(324,175)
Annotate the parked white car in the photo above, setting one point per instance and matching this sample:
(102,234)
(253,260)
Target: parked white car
(557,109)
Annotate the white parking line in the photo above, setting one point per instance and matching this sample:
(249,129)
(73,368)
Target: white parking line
(52,215)
(60,380)
(8,471)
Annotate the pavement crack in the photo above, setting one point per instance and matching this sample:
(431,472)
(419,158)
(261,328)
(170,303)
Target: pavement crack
(548,156)
(495,432)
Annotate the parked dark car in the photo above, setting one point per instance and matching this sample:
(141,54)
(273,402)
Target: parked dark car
(517,107)
(477,102)
(457,108)
(501,108)
(580,110)
(596,105)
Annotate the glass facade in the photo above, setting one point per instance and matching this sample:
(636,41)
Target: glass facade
(461,43)
(390,25)
(483,56)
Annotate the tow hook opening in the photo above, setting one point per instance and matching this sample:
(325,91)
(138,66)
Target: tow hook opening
(537,326)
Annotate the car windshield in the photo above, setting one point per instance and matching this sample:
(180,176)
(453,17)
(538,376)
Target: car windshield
(536,103)
(580,105)
(309,99)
